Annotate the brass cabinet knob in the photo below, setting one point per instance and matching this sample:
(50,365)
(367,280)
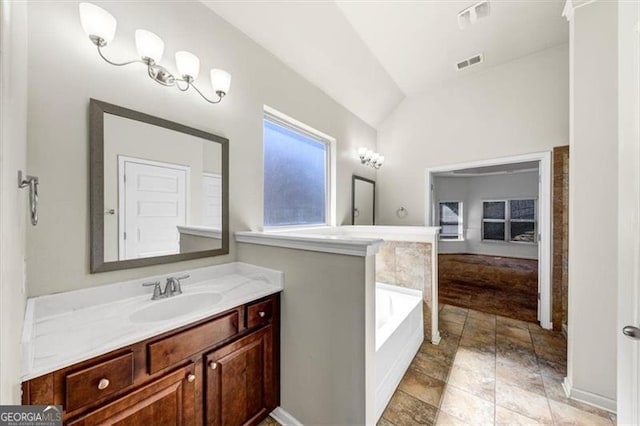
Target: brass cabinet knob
(191,378)
(213,365)
(261,314)
(103,384)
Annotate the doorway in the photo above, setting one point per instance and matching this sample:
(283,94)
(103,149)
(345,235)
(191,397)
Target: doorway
(517,223)
(152,203)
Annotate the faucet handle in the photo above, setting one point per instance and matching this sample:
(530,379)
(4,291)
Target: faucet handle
(157,291)
(183,277)
(176,282)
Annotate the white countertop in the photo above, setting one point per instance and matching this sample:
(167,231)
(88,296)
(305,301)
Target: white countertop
(298,239)
(65,328)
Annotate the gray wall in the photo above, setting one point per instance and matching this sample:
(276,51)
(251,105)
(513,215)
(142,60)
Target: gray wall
(328,336)
(472,191)
(58,249)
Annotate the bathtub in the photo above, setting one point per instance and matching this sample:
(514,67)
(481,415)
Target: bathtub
(399,334)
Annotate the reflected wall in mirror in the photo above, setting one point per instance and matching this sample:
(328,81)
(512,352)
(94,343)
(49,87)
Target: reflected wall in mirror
(159,190)
(363,192)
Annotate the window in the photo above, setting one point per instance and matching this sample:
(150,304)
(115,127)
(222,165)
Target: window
(494,219)
(450,214)
(511,220)
(522,214)
(296,175)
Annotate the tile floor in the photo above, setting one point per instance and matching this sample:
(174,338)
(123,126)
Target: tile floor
(488,370)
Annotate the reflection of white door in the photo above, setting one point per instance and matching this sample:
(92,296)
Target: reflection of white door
(152,203)
(212,202)
(628,409)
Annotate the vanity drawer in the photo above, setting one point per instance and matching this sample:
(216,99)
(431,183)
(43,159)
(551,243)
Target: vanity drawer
(99,381)
(173,349)
(259,313)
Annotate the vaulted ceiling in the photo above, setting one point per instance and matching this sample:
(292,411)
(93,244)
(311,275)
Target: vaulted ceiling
(369,55)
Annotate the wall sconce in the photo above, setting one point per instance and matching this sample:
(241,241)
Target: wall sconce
(370,158)
(100,26)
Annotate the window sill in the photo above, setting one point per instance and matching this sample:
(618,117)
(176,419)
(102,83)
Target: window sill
(461,239)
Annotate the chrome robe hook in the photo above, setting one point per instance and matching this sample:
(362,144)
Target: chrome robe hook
(32,183)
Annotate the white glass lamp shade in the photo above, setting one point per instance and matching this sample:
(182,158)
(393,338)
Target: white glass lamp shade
(374,157)
(368,155)
(362,152)
(220,80)
(149,45)
(380,160)
(188,64)
(97,23)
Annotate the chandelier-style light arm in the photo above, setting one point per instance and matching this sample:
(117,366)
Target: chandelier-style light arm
(220,95)
(117,64)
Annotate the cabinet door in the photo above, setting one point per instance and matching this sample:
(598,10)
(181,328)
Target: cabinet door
(169,400)
(240,382)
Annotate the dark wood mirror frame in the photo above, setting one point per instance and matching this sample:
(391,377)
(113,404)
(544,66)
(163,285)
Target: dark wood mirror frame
(353,197)
(96,187)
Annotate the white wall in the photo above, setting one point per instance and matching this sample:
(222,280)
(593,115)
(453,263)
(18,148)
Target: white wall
(593,202)
(58,250)
(515,108)
(472,191)
(13,201)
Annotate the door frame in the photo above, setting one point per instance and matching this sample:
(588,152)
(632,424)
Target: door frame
(628,353)
(122,159)
(544,217)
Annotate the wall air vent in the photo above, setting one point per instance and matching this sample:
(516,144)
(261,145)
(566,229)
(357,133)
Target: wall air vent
(471,15)
(474,60)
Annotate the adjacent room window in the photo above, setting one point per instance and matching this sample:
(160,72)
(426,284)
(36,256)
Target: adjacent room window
(522,225)
(450,214)
(509,220)
(296,175)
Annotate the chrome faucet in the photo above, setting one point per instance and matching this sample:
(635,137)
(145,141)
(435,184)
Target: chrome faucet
(171,288)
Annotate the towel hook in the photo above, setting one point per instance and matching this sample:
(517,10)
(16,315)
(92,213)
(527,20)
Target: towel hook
(32,183)
(402,212)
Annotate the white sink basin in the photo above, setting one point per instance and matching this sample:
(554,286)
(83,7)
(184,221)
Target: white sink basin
(176,306)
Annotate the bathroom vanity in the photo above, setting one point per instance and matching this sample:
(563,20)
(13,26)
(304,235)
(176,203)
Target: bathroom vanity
(218,363)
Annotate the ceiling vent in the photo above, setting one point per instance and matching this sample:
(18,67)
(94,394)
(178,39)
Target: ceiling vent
(474,60)
(472,14)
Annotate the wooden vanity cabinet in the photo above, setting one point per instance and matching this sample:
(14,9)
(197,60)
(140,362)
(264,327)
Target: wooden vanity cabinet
(223,370)
(240,387)
(169,400)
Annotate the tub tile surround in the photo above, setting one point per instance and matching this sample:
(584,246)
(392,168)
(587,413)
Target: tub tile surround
(66,328)
(408,264)
(489,369)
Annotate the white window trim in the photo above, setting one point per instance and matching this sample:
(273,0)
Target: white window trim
(278,117)
(507,221)
(460,221)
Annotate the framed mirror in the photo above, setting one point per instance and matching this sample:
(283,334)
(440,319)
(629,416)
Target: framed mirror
(159,190)
(363,196)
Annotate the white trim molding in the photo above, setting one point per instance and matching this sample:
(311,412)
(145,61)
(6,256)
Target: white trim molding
(571,5)
(544,216)
(588,398)
(283,417)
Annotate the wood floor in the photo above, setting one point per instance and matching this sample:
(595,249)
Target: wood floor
(496,285)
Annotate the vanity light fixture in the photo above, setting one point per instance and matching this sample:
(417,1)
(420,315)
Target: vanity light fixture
(100,27)
(370,158)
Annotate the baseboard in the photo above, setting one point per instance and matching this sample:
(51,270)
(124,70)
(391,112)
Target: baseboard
(284,418)
(588,398)
(435,339)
